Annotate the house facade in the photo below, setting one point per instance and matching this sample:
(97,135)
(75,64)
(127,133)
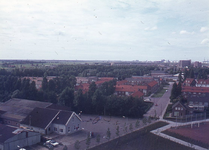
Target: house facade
(179,110)
(46,121)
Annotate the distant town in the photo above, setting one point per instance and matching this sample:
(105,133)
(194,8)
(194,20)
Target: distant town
(99,105)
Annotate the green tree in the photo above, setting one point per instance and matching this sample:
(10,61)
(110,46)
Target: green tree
(137,124)
(149,119)
(78,100)
(51,85)
(117,131)
(77,145)
(65,148)
(98,138)
(108,133)
(131,127)
(144,120)
(66,97)
(44,84)
(174,91)
(88,141)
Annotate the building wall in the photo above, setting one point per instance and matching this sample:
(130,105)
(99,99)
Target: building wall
(11,122)
(74,124)
(22,139)
(178,111)
(60,129)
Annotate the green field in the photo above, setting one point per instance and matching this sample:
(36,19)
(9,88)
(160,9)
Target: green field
(160,93)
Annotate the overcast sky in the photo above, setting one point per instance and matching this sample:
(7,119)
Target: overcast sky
(104,29)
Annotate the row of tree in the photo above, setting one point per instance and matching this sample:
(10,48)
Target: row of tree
(60,90)
(119,72)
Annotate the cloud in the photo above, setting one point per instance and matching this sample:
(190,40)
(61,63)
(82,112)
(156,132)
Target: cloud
(151,28)
(203,29)
(205,41)
(185,32)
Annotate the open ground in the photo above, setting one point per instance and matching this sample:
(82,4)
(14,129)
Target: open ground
(196,134)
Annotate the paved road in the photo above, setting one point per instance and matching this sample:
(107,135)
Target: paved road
(160,104)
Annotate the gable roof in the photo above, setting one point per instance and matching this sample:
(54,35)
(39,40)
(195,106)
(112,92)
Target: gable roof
(179,103)
(203,81)
(153,83)
(40,117)
(137,94)
(62,117)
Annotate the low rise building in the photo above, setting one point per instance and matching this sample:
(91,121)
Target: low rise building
(12,138)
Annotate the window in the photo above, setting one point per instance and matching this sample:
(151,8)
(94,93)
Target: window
(61,130)
(176,113)
(176,108)
(55,129)
(181,108)
(68,129)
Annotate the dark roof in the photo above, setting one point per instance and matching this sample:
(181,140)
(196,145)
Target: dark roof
(62,117)
(17,109)
(180,104)
(40,117)
(6,132)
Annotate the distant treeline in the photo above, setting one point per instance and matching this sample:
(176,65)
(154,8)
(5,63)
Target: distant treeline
(119,72)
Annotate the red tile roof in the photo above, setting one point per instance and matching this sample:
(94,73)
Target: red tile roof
(195,89)
(129,88)
(121,82)
(84,87)
(202,81)
(153,83)
(137,94)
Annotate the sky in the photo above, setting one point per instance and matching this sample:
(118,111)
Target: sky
(104,29)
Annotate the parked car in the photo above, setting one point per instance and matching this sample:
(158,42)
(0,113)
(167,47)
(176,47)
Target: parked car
(48,145)
(52,142)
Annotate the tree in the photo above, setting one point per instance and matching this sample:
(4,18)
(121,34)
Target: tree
(131,127)
(137,124)
(92,89)
(51,85)
(149,119)
(32,91)
(108,133)
(44,84)
(144,120)
(65,148)
(88,141)
(78,100)
(117,131)
(178,89)
(180,77)
(77,145)
(98,138)
(174,91)
(66,97)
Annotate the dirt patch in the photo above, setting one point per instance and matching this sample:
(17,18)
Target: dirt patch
(196,135)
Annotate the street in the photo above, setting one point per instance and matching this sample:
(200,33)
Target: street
(160,104)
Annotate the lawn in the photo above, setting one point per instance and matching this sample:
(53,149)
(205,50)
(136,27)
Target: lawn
(143,140)
(160,93)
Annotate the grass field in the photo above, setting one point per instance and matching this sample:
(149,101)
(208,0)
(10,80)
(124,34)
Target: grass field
(142,140)
(160,93)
